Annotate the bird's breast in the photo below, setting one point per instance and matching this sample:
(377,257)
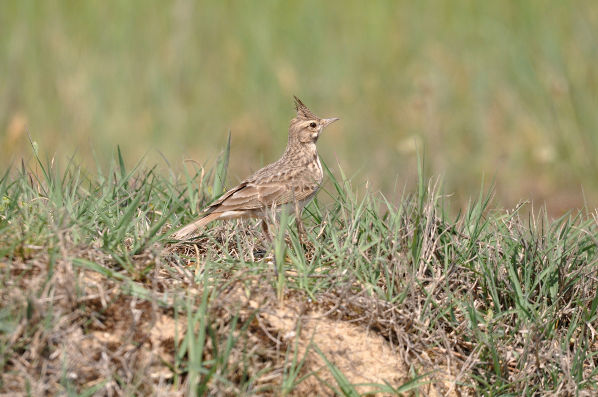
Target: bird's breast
(320,170)
(313,171)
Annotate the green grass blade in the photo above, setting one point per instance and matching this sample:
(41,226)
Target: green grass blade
(221,170)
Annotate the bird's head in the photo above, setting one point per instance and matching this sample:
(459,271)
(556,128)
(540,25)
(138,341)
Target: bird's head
(306,126)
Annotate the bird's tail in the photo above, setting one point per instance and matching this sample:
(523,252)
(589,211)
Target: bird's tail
(191,228)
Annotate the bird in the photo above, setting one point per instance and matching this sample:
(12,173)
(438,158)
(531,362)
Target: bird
(290,182)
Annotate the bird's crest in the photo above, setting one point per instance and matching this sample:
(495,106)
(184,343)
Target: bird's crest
(302,111)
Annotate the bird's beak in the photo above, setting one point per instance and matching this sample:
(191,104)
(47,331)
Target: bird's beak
(326,122)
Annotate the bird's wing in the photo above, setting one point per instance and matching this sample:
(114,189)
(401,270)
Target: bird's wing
(251,196)
(226,196)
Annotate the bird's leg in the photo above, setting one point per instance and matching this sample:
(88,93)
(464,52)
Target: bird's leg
(271,239)
(300,228)
(266,230)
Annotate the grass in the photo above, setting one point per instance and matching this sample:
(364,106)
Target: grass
(94,299)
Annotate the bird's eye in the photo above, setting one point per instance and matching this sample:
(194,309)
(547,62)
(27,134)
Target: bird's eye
(312,124)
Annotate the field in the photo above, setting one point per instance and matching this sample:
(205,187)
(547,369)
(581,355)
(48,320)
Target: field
(453,249)
(501,91)
(382,297)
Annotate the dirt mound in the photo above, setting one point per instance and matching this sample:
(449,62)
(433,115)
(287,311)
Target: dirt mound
(361,356)
(112,342)
(320,341)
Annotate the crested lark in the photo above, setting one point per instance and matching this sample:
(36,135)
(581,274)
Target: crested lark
(292,181)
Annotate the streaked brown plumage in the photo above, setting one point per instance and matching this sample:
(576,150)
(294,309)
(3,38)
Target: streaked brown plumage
(292,180)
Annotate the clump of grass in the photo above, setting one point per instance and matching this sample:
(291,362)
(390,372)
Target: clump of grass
(95,299)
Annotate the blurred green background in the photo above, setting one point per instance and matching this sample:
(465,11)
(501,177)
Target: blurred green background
(500,91)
